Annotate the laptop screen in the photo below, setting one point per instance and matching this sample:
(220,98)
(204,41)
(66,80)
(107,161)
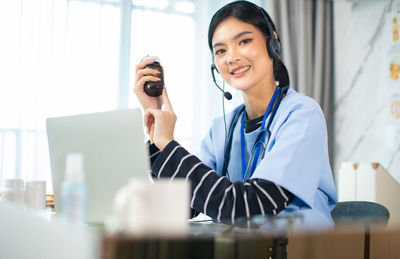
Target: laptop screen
(113,148)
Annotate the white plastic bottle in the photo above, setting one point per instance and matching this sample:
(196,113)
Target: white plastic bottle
(74,191)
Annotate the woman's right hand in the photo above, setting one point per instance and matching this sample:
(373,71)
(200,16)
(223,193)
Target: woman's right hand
(144,75)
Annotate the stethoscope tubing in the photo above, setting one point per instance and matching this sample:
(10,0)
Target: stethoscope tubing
(259,140)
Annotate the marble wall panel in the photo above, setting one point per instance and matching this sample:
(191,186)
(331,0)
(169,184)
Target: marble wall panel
(362,131)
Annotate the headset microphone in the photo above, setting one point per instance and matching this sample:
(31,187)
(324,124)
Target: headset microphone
(227,95)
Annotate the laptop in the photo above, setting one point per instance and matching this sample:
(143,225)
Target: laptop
(113,148)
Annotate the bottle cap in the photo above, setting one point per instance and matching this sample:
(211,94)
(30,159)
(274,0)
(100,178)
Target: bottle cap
(74,168)
(156,59)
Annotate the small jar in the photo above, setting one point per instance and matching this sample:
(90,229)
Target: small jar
(151,88)
(13,191)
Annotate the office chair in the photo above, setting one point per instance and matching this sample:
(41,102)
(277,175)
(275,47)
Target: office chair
(364,212)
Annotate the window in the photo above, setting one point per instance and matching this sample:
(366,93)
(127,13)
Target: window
(61,57)
(169,35)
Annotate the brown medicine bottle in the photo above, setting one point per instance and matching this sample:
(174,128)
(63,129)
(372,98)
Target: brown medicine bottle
(151,88)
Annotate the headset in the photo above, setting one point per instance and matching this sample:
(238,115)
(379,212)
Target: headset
(273,47)
(274,51)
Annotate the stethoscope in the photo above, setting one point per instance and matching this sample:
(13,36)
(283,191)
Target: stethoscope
(262,139)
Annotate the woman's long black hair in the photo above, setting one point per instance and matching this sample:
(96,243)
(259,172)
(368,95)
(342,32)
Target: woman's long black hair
(250,13)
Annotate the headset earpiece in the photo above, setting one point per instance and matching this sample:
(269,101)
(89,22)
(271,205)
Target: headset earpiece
(273,44)
(273,47)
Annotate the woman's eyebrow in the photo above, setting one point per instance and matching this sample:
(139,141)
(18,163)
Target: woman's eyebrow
(241,34)
(234,38)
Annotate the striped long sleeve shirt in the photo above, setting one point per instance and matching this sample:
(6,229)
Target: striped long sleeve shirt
(215,195)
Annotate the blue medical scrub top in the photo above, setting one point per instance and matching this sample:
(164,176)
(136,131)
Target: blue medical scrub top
(296,157)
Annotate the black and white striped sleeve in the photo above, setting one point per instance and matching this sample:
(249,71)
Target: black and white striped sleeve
(153,152)
(216,196)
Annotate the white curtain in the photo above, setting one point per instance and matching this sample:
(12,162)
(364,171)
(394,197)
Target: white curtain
(58,57)
(306,31)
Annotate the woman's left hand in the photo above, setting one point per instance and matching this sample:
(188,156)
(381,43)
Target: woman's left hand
(161,123)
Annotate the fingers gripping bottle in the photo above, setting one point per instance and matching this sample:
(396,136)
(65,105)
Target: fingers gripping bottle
(151,88)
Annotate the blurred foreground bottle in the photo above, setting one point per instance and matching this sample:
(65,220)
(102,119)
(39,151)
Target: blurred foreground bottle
(74,191)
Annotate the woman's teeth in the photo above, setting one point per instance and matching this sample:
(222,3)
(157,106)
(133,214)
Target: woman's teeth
(241,70)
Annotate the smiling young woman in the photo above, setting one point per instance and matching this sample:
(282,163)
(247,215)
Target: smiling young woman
(241,56)
(274,159)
